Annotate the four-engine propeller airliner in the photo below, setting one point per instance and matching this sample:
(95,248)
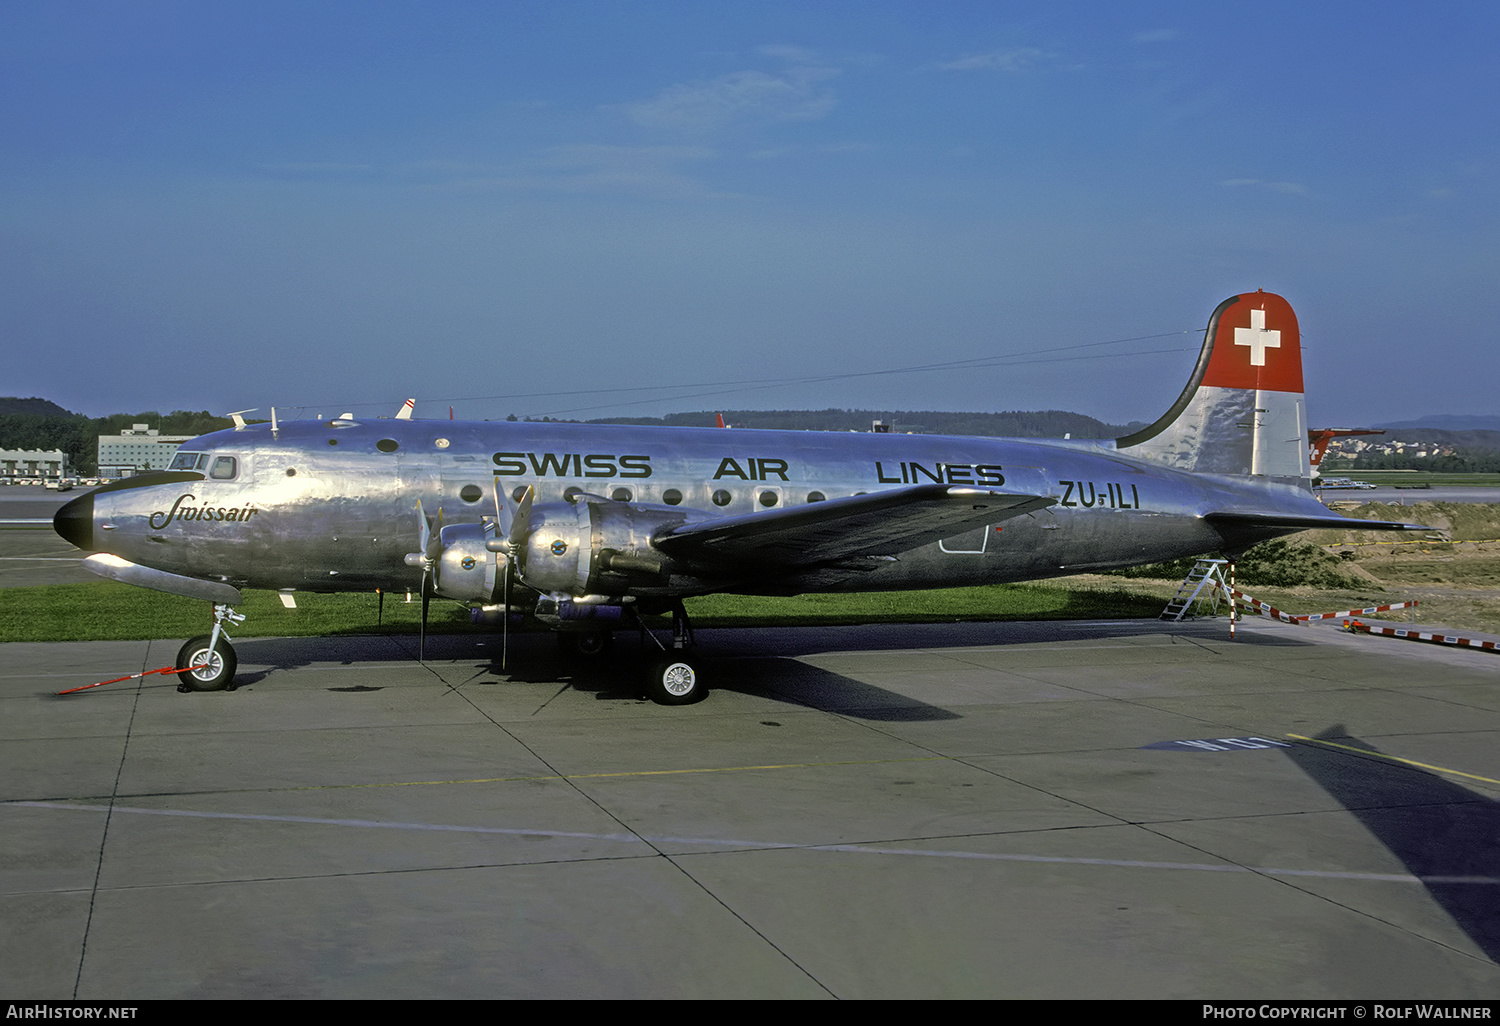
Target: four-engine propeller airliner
(586,526)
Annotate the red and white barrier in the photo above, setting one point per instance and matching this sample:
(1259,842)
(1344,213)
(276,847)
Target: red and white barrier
(1266,609)
(1354,626)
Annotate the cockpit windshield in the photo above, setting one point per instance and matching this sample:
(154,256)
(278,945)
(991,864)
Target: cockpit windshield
(220,468)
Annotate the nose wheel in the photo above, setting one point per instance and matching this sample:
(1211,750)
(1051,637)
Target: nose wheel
(207,665)
(208,662)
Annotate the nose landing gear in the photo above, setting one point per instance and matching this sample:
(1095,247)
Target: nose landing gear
(208,662)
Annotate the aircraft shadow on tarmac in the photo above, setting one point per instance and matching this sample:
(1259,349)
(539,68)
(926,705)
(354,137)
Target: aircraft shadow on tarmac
(1446,835)
(759,661)
(615,676)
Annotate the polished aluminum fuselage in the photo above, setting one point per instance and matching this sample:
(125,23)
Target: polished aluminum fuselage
(332,505)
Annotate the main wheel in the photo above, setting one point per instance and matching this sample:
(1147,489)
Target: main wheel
(206,669)
(675,680)
(585,644)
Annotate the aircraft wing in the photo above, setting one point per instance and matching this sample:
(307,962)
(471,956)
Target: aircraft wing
(857,527)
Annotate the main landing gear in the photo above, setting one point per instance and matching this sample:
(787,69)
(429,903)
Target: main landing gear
(673,677)
(208,662)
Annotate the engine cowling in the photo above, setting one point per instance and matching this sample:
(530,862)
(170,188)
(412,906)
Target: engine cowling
(465,569)
(598,548)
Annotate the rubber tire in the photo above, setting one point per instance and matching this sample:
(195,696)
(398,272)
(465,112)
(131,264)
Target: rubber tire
(675,680)
(217,675)
(585,644)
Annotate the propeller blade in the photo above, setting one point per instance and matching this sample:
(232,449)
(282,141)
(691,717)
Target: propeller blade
(434,547)
(522,526)
(422,629)
(502,513)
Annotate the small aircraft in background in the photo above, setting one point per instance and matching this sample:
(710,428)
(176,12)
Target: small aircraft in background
(587,527)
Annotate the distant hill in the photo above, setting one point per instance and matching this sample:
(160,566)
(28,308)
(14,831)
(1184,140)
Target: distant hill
(31,407)
(1458,439)
(1448,422)
(1013,424)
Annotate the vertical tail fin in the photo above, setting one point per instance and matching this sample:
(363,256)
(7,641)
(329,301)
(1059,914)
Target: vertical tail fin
(1242,411)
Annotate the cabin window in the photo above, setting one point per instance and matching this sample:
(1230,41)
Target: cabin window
(225,468)
(816,496)
(671,497)
(387,445)
(471,493)
(722,497)
(768,498)
(621,495)
(186,460)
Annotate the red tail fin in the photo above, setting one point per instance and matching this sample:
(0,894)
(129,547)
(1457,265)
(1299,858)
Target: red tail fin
(1242,411)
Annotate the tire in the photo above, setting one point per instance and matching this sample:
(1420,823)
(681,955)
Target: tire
(219,671)
(675,680)
(585,644)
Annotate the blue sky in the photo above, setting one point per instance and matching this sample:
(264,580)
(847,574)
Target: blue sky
(561,208)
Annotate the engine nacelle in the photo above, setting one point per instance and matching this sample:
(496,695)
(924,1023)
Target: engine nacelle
(466,570)
(598,548)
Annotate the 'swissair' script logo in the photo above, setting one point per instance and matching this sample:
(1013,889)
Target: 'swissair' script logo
(184,513)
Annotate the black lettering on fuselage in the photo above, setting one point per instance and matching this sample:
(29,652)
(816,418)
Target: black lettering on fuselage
(756,468)
(552,462)
(1112,495)
(730,467)
(199,514)
(987,474)
(767,467)
(570,464)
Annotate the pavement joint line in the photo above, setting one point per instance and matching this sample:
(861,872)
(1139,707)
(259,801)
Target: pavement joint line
(515,780)
(857,849)
(1396,758)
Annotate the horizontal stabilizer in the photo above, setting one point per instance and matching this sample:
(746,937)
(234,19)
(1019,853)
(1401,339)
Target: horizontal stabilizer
(819,533)
(1303,522)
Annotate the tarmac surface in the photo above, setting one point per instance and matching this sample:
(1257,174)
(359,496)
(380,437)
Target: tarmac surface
(30,552)
(1046,810)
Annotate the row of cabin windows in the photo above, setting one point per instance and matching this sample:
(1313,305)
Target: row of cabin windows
(671,497)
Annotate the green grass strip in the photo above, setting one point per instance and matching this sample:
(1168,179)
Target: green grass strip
(110,611)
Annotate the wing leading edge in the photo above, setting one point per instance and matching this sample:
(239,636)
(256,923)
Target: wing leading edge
(857,527)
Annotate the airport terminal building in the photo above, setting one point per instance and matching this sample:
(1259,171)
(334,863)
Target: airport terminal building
(33,465)
(139,448)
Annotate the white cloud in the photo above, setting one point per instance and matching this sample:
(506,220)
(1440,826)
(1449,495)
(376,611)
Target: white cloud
(698,107)
(1017,60)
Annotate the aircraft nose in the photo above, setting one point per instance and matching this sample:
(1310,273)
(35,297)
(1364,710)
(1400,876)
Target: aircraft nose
(75,522)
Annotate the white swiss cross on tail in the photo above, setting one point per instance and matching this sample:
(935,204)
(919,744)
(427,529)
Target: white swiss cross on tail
(1258,338)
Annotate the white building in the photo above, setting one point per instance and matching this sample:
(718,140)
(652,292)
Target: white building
(140,448)
(33,464)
